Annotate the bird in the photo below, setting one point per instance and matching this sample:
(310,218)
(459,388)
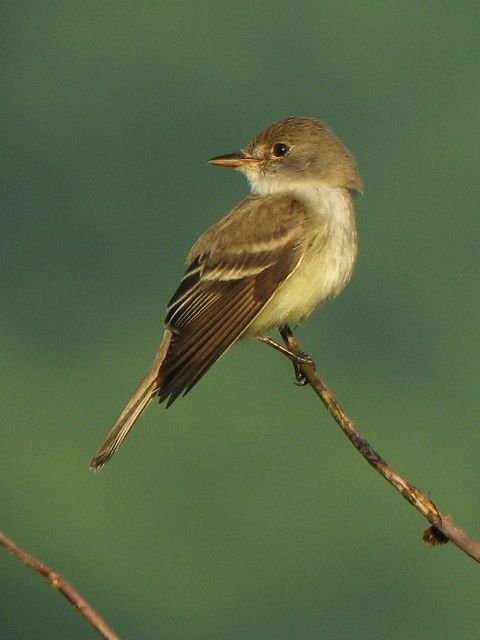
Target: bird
(283,250)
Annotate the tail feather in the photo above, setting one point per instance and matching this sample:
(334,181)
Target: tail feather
(143,396)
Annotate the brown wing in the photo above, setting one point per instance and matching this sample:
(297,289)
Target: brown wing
(235,268)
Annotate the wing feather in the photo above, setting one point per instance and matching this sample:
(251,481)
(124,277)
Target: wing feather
(198,360)
(235,268)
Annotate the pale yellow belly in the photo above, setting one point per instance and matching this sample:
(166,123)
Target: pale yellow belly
(322,274)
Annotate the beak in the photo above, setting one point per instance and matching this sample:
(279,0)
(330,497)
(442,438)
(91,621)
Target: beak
(233,160)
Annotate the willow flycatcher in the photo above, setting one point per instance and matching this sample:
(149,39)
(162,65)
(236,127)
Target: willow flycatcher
(283,250)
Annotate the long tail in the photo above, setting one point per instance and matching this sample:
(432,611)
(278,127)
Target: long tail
(140,400)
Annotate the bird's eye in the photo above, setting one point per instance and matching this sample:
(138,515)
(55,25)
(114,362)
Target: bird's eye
(280,149)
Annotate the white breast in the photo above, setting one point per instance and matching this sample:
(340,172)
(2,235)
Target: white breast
(327,265)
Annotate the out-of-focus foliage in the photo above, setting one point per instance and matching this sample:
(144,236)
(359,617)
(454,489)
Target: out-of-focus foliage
(242,512)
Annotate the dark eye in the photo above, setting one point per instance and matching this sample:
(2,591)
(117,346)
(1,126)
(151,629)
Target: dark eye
(280,149)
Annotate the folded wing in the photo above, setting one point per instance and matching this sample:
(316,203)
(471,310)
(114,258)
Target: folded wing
(235,268)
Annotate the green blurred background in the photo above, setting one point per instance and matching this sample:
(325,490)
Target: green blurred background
(242,512)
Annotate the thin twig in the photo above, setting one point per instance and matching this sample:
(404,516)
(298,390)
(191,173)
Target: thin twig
(63,586)
(443,526)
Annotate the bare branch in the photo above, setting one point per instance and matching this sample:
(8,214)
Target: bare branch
(63,586)
(443,526)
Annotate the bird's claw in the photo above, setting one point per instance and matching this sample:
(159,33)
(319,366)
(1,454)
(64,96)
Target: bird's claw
(303,358)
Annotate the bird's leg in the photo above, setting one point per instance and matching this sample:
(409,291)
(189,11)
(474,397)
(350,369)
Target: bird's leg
(297,360)
(289,341)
